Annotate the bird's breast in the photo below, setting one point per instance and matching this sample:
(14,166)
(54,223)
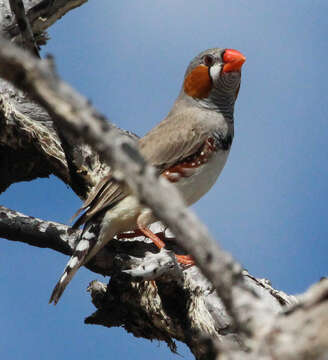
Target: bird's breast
(202,178)
(195,175)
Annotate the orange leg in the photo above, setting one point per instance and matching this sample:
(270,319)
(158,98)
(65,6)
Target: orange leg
(185,259)
(182,259)
(153,237)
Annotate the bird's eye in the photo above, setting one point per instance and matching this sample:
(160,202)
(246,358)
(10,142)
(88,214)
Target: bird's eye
(208,60)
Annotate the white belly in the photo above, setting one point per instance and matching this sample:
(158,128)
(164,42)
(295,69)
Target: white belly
(194,187)
(124,215)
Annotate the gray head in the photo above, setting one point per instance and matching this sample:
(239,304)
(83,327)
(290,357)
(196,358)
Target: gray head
(212,79)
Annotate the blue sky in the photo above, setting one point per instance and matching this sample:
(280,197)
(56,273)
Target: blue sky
(269,206)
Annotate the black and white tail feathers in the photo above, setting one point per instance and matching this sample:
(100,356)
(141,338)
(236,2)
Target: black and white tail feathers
(83,248)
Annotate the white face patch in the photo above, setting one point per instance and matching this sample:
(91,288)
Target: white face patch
(82,245)
(215,71)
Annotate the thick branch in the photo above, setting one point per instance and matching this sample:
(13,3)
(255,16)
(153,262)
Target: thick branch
(29,144)
(36,232)
(30,147)
(153,311)
(180,306)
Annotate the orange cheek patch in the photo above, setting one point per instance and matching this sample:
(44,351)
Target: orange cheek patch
(198,83)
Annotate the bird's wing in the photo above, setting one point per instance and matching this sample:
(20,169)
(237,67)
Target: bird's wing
(173,140)
(164,146)
(105,194)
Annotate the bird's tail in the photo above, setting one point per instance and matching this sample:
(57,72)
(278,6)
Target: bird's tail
(80,256)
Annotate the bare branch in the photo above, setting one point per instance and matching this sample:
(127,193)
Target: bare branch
(300,333)
(148,302)
(36,232)
(182,304)
(41,15)
(191,303)
(133,256)
(47,12)
(17,7)
(29,145)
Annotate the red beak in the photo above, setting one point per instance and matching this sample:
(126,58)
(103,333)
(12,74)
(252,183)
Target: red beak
(233,60)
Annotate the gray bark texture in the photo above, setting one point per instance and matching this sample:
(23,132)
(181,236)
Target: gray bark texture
(216,308)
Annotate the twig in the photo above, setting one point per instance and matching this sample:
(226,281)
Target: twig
(17,7)
(42,14)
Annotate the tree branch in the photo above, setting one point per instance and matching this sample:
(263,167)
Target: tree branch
(153,311)
(40,14)
(181,305)
(36,232)
(17,7)
(29,144)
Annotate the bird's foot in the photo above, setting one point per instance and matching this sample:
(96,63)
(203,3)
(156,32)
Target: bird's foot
(182,259)
(185,259)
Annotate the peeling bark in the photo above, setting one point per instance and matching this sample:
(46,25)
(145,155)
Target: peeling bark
(149,294)
(29,144)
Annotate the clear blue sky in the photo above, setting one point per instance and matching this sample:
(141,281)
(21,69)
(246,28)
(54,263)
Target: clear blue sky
(269,206)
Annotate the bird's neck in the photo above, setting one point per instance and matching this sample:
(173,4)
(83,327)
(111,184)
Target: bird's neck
(221,103)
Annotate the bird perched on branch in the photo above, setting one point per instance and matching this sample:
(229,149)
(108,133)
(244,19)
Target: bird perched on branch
(189,148)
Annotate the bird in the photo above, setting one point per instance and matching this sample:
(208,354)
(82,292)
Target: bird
(189,148)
